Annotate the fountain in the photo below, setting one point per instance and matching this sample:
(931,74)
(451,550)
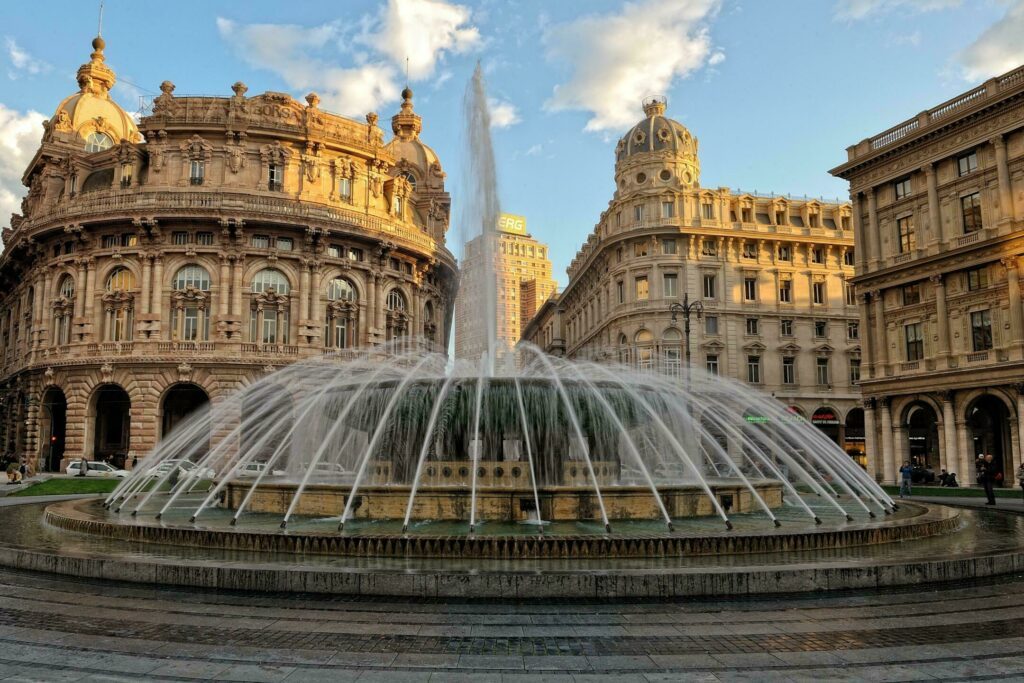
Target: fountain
(401,471)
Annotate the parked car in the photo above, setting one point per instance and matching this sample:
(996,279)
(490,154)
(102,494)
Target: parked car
(185,467)
(255,469)
(95,469)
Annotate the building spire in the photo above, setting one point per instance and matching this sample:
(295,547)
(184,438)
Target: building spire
(99,26)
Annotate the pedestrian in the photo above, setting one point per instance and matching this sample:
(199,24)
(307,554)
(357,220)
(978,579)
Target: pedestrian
(943,476)
(987,478)
(135,461)
(22,472)
(1020,479)
(12,472)
(906,472)
(83,468)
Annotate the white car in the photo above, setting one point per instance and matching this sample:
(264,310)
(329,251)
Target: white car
(255,469)
(185,467)
(95,469)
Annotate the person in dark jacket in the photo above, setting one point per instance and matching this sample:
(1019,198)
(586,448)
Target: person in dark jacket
(906,475)
(987,478)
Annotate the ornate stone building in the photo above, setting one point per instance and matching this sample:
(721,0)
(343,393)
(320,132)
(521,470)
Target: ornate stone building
(939,215)
(771,272)
(523,273)
(159,266)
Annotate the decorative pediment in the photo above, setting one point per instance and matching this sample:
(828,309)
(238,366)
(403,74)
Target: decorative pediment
(789,349)
(271,298)
(755,347)
(824,349)
(713,345)
(190,295)
(275,153)
(196,148)
(117,298)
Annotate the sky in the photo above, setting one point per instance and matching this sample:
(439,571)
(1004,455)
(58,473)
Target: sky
(775,90)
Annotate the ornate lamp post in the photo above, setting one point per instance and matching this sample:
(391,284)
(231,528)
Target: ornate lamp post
(686,308)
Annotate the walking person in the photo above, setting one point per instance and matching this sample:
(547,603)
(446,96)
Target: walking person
(906,472)
(987,478)
(1020,479)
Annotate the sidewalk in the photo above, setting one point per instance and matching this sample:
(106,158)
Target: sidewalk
(1011,504)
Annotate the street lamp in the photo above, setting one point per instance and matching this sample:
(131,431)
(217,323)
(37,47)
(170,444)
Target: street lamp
(686,308)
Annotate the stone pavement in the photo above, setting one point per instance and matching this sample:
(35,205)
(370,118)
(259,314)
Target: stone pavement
(63,629)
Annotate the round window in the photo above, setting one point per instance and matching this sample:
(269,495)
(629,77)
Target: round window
(446,472)
(430,471)
(641,178)
(480,472)
(666,174)
(572,471)
(516,472)
(463,471)
(499,473)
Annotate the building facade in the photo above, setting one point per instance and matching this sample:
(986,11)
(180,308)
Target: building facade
(772,274)
(156,267)
(523,274)
(939,214)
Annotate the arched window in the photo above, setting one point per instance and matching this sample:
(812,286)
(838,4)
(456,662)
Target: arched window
(644,341)
(97,142)
(429,326)
(271,279)
(63,310)
(121,279)
(396,300)
(190,310)
(411,178)
(192,276)
(342,319)
(397,320)
(67,287)
(268,312)
(118,305)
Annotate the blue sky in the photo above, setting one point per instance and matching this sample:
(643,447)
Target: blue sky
(774,90)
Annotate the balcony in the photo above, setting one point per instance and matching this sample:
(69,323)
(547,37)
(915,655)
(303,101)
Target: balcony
(185,347)
(271,349)
(969,238)
(910,366)
(977,357)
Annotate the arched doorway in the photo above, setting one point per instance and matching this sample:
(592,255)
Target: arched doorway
(988,422)
(853,437)
(827,421)
(53,421)
(922,435)
(113,424)
(180,402)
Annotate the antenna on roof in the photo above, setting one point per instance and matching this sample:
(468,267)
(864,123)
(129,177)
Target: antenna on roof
(99,27)
(407,72)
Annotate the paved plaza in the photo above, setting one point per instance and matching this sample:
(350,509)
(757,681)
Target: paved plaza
(64,629)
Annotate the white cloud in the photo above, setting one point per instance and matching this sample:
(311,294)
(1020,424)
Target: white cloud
(22,61)
(617,59)
(20,134)
(421,31)
(913,39)
(534,150)
(998,49)
(307,58)
(716,58)
(854,10)
(503,114)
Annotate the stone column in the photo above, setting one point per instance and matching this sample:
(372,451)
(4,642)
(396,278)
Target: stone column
(934,213)
(948,458)
(107,315)
(236,288)
(1013,286)
(941,313)
(1006,211)
(80,288)
(860,239)
(147,279)
(38,309)
(870,438)
(90,288)
(304,292)
(224,286)
(157,306)
(874,238)
(314,293)
(866,352)
(888,452)
(279,332)
(881,345)
(1010,475)
(966,474)
(378,302)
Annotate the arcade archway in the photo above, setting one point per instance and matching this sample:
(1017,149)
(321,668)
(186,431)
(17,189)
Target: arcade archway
(53,421)
(988,424)
(180,402)
(112,427)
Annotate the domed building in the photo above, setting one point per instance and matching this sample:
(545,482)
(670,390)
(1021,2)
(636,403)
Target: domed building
(769,273)
(160,265)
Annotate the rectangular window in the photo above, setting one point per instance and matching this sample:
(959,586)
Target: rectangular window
(710,289)
(129,239)
(709,248)
(393,263)
(820,329)
(261,241)
(668,246)
(907,235)
(618,219)
(824,376)
(788,370)
(981,330)
(620,290)
(854,370)
(749,250)
(749,289)
(355,254)
(638,213)
(640,249)
(812,220)
(334,251)
(901,188)
(711,364)
(818,255)
(109,241)
(818,292)
(844,222)
(126,175)
(970,208)
(618,255)
(968,163)
(179,237)
(668,284)
(752,326)
(345,188)
(285,243)
(711,324)
(786,328)
(747,214)
(196,172)
(977,278)
(911,294)
(668,210)
(780,218)
(275,178)
(642,288)
(785,252)
(914,336)
(849,294)
(786,291)
(707,211)
(848,257)
(754,369)
(853,330)
(397,206)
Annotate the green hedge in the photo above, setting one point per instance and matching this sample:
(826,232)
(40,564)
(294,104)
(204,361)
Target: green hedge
(69,486)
